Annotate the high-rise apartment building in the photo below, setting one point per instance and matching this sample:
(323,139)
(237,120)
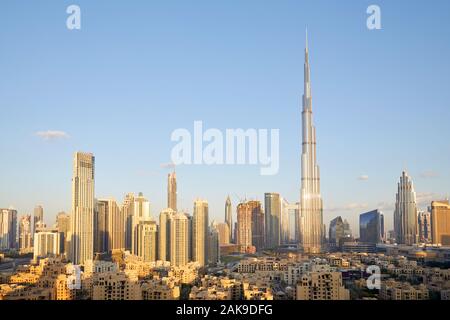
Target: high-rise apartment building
(405,214)
(25,235)
(101,226)
(38,217)
(46,243)
(291,223)
(141,213)
(440,222)
(190,237)
(164,234)
(147,240)
(63,226)
(82,219)
(127,209)
(272,207)
(311,207)
(244,225)
(179,240)
(223,231)
(424,225)
(115,225)
(200,226)
(229,217)
(213,246)
(285,221)
(257,224)
(8,229)
(172,191)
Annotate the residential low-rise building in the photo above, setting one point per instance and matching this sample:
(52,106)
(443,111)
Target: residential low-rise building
(394,290)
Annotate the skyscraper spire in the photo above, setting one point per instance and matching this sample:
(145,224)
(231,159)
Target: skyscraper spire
(310,198)
(172,190)
(306,42)
(229,217)
(307,86)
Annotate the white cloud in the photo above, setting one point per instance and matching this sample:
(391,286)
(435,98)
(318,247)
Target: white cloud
(348,207)
(363,177)
(424,198)
(168,165)
(52,135)
(386,206)
(429,174)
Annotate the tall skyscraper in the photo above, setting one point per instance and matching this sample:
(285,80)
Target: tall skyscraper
(141,213)
(101,227)
(257,224)
(424,224)
(25,236)
(213,246)
(284,221)
(8,229)
(82,220)
(63,226)
(292,220)
(127,209)
(223,231)
(179,240)
(272,207)
(164,234)
(244,225)
(371,227)
(200,231)
(190,222)
(405,214)
(172,191)
(229,217)
(440,222)
(38,217)
(114,223)
(146,240)
(347,230)
(336,232)
(311,208)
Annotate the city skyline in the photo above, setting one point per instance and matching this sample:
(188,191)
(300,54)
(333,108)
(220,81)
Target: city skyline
(225,151)
(356,166)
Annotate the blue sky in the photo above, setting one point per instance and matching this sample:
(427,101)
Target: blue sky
(137,70)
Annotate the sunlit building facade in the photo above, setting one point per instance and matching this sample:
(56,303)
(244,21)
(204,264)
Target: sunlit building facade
(311,207)
(82,221)
(405,214)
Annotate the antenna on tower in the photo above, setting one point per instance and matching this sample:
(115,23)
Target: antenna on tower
(306,41)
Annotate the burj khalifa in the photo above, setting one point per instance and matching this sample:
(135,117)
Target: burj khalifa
(311,208)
